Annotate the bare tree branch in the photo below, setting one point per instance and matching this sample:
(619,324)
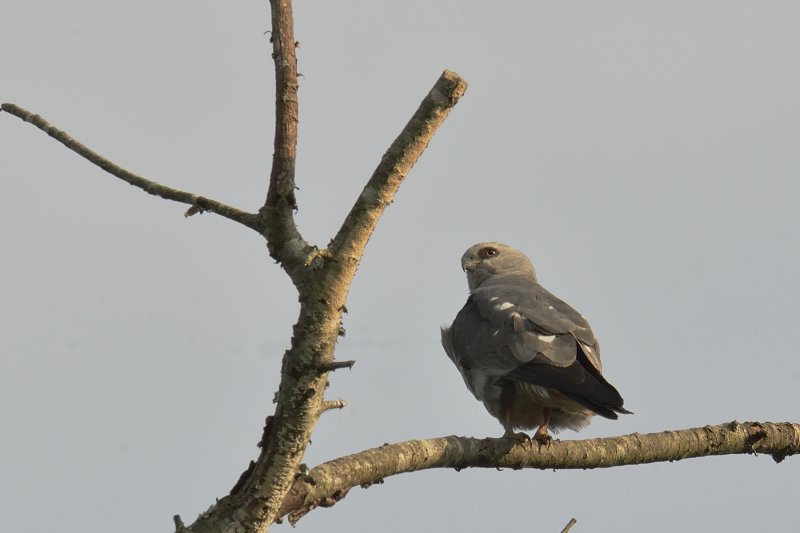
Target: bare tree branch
(335,477)
(349,242)
(284,240)
(198,203)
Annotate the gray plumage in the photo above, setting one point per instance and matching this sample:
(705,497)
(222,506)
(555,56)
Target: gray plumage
(529,357)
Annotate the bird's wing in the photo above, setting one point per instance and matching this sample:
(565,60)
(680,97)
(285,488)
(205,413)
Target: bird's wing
(469,345)
(493,340)
(535,324)
(516,330)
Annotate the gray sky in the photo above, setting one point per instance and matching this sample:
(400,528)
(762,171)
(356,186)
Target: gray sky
(644,154)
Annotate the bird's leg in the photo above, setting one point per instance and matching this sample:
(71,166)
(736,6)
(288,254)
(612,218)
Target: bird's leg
(541,435)
(509,433)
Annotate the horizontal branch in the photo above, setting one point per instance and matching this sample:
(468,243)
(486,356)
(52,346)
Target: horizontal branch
(329,481)
(198,203)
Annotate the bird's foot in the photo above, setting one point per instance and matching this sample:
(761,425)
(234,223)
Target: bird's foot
(542,436)
(522,438)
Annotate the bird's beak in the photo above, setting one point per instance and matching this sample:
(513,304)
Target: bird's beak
(468,265)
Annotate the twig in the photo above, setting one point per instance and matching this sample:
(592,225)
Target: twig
(333,404)
(336,365)
(199,203)
(569,525)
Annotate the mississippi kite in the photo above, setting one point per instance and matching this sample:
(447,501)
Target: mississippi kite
(529,357)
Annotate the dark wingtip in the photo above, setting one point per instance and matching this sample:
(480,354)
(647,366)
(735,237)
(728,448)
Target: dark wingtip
(604,410)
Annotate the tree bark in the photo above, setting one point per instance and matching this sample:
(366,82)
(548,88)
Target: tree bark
(329,482)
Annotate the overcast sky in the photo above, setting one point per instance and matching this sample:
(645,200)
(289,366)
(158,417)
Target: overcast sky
(644,154)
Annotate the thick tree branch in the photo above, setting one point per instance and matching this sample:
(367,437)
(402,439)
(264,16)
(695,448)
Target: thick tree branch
(198,203)
(330,480)
(349,242)
(285,242)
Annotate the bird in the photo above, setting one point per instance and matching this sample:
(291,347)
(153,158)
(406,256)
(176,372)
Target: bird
(530,358)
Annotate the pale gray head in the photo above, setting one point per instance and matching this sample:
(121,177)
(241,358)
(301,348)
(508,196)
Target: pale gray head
(486,259)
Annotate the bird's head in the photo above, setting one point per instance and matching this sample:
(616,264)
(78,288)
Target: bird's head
(486,259)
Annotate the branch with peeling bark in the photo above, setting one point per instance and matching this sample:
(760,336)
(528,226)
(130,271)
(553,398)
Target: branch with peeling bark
(330,481)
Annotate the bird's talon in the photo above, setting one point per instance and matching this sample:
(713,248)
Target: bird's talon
(542,436)
(521,438)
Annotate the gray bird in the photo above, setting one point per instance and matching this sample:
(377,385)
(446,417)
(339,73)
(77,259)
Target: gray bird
(529,357)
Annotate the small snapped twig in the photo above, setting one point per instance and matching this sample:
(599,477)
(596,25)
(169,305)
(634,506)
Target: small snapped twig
(327,405)
(336,365)
(569,525)
(198,203)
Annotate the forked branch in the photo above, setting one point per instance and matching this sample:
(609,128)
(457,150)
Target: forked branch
(322,277)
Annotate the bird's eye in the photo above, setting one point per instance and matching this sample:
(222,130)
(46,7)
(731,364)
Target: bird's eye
(488,252)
